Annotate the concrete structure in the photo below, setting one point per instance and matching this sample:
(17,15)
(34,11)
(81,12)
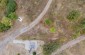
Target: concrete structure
(30,45)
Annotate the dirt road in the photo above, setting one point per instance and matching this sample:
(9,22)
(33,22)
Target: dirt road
(69,45)
(19,31)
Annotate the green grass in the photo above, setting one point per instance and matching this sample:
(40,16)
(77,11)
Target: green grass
(73,15)
(48,48)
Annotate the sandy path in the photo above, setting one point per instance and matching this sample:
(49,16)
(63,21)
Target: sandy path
(19,31)
(69,45)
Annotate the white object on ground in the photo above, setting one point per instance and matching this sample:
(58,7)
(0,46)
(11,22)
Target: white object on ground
(20,19)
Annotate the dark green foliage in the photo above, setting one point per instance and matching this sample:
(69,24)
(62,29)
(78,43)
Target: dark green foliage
(48,48)
(12,16)
(80,26)
(11,7)
(48,21)
(73,15)
(3,27)
(34,53)
(6,22)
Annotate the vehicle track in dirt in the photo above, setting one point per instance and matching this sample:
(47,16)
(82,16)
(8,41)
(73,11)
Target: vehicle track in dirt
(19,31)
(69,45)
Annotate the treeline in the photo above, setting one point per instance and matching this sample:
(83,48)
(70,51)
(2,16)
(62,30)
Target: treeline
(10,15)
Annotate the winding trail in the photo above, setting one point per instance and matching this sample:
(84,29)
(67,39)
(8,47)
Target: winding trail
(69,45)
(19,31)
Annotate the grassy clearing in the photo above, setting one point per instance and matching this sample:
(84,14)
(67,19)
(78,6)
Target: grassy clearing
(48,48)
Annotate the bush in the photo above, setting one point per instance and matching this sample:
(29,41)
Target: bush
(12,16)
(6,21)
(62,39)
(48,48)
(75,35)
(82,23)
(3,3)
(83,31)
(48,22)
(52,30)
(11,7)
(3,27)
(34,53)
(5,24)
(73,15)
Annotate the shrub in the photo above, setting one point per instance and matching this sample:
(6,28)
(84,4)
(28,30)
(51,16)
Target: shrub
(52,30)
(48,21)
(82,23)
(83,31)
(73,15)
(34,53)
(62,40)
(48,48)
(5,24)
(75,35)
(12,16)
(11,7)
(3,3)
(3,27)
(80,26)
(6,21)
